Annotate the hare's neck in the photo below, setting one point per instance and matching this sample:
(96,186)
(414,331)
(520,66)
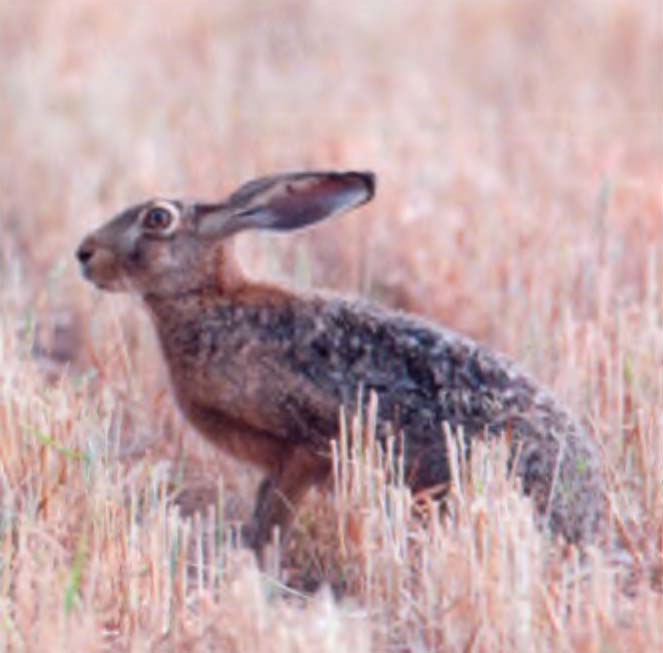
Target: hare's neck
(163,308)
(194,306)
(170,313)
(222,283)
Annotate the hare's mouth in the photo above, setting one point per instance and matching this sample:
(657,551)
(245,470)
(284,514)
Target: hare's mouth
(100,281)
(102,271)
(107,282)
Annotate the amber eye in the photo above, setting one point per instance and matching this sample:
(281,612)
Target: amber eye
(160,218)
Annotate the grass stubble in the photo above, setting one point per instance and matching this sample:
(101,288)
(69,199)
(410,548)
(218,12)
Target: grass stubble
(520,153)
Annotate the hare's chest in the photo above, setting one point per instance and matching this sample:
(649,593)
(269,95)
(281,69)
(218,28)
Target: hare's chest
(213,366)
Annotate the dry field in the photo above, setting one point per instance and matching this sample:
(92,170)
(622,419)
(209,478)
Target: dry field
(519,149)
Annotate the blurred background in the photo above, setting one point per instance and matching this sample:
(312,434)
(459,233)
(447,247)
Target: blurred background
(507,136)
(519,154)
(518,148)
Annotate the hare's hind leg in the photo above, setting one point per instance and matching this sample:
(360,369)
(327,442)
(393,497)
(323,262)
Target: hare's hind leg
(279,495)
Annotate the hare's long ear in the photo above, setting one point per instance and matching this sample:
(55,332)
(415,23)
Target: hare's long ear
(285,202)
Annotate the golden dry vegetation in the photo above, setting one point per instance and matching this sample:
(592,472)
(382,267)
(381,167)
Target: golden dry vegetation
(519,148)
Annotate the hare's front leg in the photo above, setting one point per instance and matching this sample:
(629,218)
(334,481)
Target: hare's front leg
(280,493)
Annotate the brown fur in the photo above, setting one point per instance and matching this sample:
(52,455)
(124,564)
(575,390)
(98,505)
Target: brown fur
(262,371)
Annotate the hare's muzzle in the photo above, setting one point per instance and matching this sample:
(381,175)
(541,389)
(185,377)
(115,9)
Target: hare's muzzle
(98,264)
(86,254)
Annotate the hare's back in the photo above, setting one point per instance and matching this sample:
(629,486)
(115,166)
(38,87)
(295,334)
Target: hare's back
(288,366)
(424,375)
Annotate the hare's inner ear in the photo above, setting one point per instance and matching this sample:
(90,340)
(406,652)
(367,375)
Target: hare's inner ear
(289,201)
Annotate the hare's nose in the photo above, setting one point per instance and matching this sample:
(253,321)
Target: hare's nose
(84,253)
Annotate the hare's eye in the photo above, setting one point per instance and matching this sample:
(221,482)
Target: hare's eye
(160,218)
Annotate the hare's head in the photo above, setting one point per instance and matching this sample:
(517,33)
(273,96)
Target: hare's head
(168,247)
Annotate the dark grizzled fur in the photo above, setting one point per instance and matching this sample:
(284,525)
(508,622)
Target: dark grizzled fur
(423,375)
(262,371)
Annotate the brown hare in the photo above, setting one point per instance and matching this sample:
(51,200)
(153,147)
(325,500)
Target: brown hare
(262,371)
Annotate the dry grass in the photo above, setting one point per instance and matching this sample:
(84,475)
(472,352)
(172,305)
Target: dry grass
(519,147)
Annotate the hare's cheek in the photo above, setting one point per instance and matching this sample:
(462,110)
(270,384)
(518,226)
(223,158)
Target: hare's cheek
(141,257)
(174,255)
(163,257)
(152,259)
(134,258)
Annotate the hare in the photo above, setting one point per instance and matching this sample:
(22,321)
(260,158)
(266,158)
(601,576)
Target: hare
(262,371)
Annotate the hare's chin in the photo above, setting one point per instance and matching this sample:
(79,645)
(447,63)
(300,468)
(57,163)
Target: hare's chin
(113,286)
(108,285)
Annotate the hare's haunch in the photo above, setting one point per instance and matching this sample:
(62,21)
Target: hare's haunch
(262,371)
